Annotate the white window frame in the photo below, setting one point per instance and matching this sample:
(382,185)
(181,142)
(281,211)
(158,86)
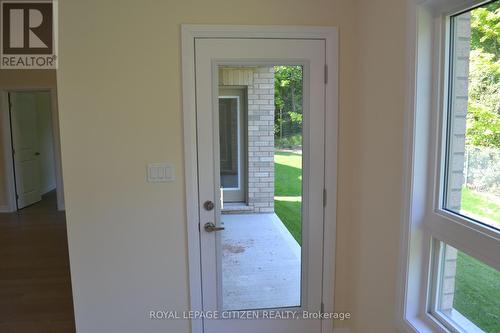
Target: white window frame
(424,222)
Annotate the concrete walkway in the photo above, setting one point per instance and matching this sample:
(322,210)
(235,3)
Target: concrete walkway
(260,263)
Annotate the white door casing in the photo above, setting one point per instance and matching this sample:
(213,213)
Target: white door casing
(23,117)
(190,33)
(209,53)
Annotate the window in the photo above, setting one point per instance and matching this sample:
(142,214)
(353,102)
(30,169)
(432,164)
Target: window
(451,248)
(473,120)
(467,291)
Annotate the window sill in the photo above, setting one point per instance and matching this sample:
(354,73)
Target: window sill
(428,324)
(457,319)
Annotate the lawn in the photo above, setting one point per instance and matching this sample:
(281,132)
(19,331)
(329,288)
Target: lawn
(478,205)
(288,191)
(477,286)
(477,293)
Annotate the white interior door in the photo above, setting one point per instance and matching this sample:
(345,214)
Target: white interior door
(23,117)
(259,262)
(232,133)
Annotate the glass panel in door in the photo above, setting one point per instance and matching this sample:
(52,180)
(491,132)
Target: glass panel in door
(260,136)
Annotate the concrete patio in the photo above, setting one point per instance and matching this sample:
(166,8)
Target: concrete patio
(260,263)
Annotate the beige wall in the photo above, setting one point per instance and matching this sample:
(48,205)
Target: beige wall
(11,79)
(120,108)
(371,162)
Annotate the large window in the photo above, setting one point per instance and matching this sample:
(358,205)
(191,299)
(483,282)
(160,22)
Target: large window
(452,259)
(465,291)
(473,119)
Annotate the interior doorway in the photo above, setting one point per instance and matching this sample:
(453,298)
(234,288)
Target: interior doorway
(33,237)
(31,148)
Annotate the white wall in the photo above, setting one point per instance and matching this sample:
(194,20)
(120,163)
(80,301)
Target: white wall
(45,142)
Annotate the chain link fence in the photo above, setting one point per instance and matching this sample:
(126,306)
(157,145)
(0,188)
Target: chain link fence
(482,169)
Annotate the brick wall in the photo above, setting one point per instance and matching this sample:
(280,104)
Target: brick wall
(457,146)
(260,129)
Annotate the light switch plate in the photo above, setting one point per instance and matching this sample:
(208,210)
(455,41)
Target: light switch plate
(160,172)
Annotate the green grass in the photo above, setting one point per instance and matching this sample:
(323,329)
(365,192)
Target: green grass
(477,293)
(480,206)
(477,286)
(289,214)
(288,191)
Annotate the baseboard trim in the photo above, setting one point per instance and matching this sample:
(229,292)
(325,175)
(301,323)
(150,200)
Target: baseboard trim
(5,209)
(342,330)
(47,190)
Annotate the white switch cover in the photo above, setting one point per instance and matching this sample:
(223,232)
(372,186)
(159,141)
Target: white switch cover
(160,172)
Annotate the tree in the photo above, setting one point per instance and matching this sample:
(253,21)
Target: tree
(485,29)
(483,116)
(288,100)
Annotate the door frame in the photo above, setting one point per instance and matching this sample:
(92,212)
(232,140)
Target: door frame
(8,159)
(189,33)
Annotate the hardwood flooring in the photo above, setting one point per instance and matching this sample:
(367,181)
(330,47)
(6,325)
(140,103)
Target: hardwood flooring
(35,284)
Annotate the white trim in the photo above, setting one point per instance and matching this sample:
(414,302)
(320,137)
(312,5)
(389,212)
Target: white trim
(238,139)
(189,33)
(331,148)
(7,145)
(7,150)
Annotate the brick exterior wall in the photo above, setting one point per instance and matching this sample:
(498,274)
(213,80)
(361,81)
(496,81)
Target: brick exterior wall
(457,147)
(260,132)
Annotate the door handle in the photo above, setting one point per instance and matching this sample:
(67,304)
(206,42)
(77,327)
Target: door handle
(211,227)
(37,154)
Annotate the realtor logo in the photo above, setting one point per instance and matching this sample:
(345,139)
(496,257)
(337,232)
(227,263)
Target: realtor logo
(28,35)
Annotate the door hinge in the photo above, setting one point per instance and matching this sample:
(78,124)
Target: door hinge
(322,307)
(326,74)
(199,227)
(324,197)
(17,196)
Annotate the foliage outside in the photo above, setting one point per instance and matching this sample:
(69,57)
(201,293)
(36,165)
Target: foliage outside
(288,106)
(483,114)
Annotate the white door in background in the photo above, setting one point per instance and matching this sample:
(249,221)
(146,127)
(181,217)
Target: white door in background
(232,129)
(23,117)
(310,55)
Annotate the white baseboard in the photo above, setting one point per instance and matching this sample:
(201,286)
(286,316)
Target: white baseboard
(5,209)
(342,330)
(49,189)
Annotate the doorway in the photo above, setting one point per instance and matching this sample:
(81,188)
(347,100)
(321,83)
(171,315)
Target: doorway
(31,148)
(33,238)
(232,136)
(259,259)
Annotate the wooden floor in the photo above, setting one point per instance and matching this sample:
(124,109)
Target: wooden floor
(35,285)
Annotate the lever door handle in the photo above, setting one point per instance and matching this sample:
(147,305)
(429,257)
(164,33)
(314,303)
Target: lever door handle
(211,227)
